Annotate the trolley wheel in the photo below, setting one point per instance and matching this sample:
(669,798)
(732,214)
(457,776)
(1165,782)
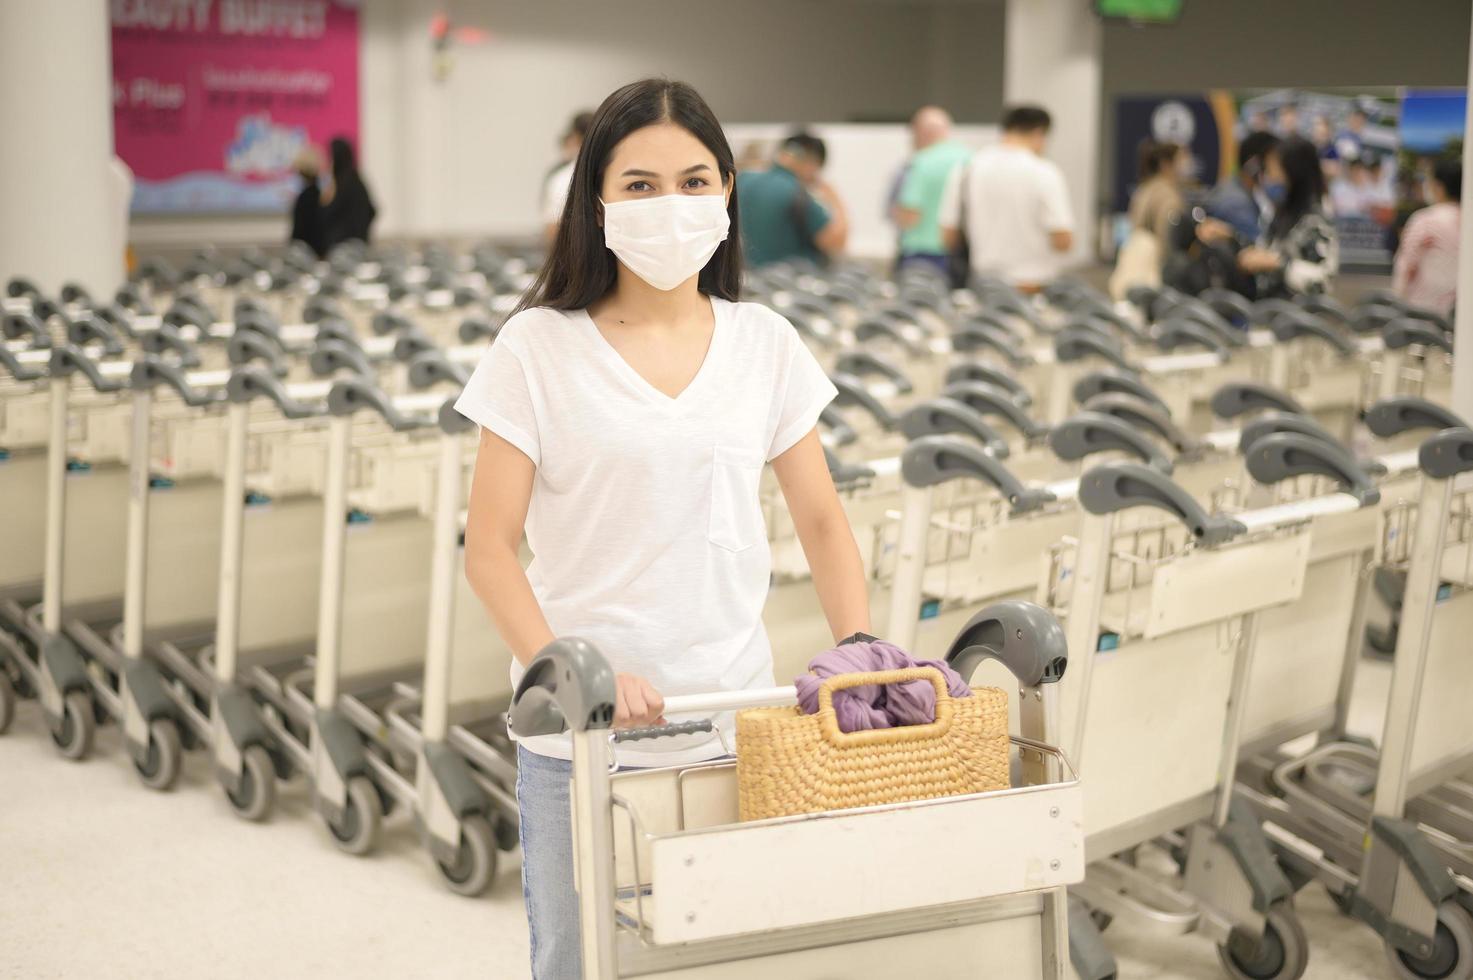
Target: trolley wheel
(257,785)
(1452,952)
(160,767)
(74,735)
(7,701)
(357,832)
(475,864)
(1281,954)
(507,837)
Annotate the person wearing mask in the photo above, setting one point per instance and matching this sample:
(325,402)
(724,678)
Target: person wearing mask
(788,210)
(1238,201)
(1298,251)
(918,203)
(627,409)
(1425,273)
(347,207)
(307,225)
(555,186)
(1013,203)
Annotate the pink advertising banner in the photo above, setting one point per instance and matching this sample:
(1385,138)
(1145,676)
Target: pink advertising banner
(214,99)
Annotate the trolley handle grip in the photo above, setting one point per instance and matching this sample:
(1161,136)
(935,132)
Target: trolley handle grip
(332,356)
(1144,415)
(700,727)
(1098,383)
(1393,416)
(986,373)
(1238,398)
(862,363)
(853,392)
(841,433)
(1077,343)
(992,400)
(943,415)
(1090,432)
(1402,333)
(410,344)
(474,328)
(979,334)
(931,460)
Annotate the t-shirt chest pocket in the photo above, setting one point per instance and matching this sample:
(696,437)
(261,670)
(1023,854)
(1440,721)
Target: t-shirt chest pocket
(736,514)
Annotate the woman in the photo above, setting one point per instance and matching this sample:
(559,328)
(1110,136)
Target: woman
(1299,252)
(307,225)
(626,412)
(347,207)
(1155,206)
(1426,269)
(1158,199)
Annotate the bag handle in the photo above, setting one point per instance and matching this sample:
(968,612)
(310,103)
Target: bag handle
(829,721)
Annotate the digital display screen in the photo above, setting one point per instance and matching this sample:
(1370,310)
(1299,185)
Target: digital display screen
(1140,11)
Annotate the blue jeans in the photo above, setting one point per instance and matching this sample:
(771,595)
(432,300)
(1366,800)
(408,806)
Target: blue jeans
(547,866)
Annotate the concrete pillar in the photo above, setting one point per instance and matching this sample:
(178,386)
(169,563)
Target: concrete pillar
(1052,58)
(60,213)
(1463,328)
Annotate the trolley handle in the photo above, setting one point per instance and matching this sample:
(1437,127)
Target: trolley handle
(1275,422)
(245,346)
(1022,636)
(334,330)
(569,684)
(350,395)
(1294,324)
(151,371)
(979,334)
(410,344)
(1115,487)
(66,360)
(1179,331)
(1087,433)
(991,400)
(853,392)
(186,314)
(1097,383)
(1099,310)
(943,415)
(474,328)
(1393,416)
(17,368)
(1077,343)
(862,363)
(1228,304)
(1241,397)
(703,726)
(1373,317)
(168,338)
(1145,415)
(331,356)
(252,381)
(388,322)
(932,460)
(321,307)
(1285,455)
(253,319)
(840,432)
(431,367)
(874,327)
(1324,306)
(987,374)
(1402,333)
(88,328)
(1447,454)
(26,326)
(994,319)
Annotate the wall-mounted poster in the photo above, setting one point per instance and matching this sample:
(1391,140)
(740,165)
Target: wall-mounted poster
(213,100)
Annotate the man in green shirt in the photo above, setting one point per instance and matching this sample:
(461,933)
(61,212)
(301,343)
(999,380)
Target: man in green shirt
(787,211)
(918,208)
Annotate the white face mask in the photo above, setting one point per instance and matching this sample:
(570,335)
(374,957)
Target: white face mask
(666,240)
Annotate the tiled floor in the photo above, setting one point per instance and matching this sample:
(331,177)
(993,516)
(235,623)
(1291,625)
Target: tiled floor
(100,878)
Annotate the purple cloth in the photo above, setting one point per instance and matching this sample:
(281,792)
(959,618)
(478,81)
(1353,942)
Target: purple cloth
(873,705)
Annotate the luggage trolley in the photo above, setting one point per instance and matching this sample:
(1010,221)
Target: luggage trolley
(1181,602)
(1410,880)
(671,884)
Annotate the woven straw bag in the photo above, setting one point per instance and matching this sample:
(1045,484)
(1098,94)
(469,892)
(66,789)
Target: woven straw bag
(790,763)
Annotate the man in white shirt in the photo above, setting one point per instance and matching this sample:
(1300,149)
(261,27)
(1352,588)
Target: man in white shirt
(555,187)
(1012,205)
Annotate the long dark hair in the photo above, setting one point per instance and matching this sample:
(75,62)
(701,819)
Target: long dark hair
(579,269)
(344,167)
(1305,184)
(1154,157)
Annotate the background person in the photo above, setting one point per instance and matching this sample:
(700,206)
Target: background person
(555,185)
(1238,201)
(627,410)
(1299,251)
(918,203)
(1426,268)
(347,207)
(788,211)
(1018,222)
(307,219)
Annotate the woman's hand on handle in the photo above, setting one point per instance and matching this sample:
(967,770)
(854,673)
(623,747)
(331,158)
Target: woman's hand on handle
(637,704)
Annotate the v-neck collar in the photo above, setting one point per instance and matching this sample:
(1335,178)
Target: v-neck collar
(637,380)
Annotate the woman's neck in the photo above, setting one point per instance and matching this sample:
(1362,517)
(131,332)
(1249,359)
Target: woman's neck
(637,302)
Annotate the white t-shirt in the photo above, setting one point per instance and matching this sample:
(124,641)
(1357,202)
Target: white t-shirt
(645,523)
(1014,198)
(555,193)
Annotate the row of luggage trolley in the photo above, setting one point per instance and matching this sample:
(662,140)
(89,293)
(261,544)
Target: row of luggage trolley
(942,516)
